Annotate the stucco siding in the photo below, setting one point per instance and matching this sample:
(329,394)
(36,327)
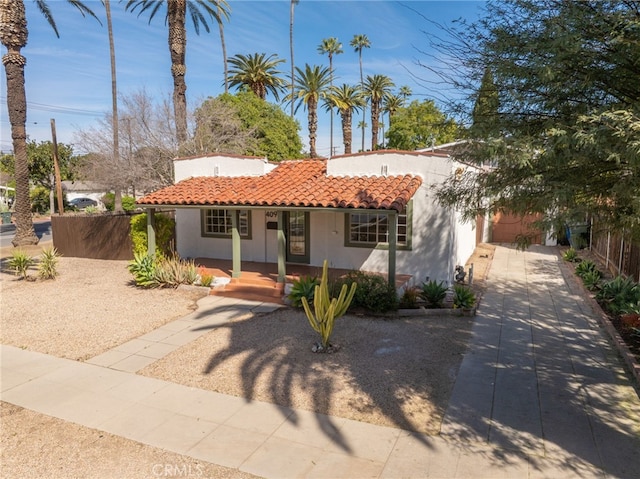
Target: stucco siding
(220,166)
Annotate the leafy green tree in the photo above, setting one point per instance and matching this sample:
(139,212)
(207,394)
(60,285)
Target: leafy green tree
(257,72)
(376,88)
(40,161)
(485,109)
(312,86)
(566,75)
(419,125)
(175,19)
(272,133)
(14,36)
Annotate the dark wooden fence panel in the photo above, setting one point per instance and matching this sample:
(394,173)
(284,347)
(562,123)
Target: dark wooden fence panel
(93,236)
(619,254)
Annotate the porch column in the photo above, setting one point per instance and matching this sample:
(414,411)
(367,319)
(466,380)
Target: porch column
(151,232)
(393,244)
(235,244)
(282,249)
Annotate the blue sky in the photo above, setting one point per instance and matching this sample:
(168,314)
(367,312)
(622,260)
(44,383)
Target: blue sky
(68,78)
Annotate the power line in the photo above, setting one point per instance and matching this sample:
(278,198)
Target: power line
(57,109)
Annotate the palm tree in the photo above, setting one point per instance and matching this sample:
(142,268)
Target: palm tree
(376,89)
(346,99)
(405,92)
(14,36)
(311,86)
(257,72)
(117,199)
(176,20)
(293,75)
(222,13)
(331,46)
(390,105)
(359,42)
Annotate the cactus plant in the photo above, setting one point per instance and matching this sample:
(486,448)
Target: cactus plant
(326,309)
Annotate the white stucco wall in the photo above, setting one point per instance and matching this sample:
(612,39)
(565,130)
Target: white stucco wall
(216,165)
(439,240)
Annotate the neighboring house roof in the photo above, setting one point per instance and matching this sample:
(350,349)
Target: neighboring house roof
(299,183)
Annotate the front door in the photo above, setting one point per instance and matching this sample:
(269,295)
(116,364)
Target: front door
(297,233)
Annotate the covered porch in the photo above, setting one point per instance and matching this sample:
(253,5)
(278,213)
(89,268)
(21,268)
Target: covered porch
(259,281)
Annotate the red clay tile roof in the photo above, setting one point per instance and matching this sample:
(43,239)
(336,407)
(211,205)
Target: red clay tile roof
(292,183)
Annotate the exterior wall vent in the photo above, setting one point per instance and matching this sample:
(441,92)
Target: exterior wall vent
(216,170)
(384,170)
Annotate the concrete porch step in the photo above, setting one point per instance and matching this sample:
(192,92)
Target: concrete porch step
(266,292)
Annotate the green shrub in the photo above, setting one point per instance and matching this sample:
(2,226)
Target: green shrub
(205,277)
(463,297)
(618,294)
(128,202)
(173,271)
(591,280)
(373,292)
(40,203)
(409,298)
(586,266)
(304,287)
(143,269)
(48,265)
(433,293)
(164,233)
(571,255)
(20,262)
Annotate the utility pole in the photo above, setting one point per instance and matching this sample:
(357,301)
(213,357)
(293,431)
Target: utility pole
(56,168)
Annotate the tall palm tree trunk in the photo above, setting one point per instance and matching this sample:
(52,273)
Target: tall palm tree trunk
(375,124)
(313,127)
(176,13)
(117,200)
(293,75)
(364,107)
(346,130)
(224,51)
(14,34)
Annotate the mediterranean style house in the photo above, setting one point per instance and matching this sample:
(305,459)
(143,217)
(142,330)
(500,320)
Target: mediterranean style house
(373,211)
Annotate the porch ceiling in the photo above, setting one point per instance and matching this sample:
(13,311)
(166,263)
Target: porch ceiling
(291,184)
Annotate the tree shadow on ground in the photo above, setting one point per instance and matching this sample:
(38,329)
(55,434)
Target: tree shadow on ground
(394,372)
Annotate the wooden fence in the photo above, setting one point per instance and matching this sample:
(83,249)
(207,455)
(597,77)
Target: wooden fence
(619,254)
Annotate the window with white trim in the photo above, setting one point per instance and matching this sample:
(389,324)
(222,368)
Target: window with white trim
(217,223)
(371,229)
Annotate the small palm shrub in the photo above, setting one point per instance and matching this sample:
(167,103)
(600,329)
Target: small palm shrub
(591,280)
(20,262)
(618,294)
(304,287)
(586,266)
(571,255)
(48,265)
(434,292)
(373,293)
(409,298)
(463,297)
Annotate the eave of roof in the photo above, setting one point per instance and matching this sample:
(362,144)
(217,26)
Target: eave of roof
(291,184)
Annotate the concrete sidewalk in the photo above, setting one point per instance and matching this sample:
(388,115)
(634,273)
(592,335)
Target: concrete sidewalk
(540,394)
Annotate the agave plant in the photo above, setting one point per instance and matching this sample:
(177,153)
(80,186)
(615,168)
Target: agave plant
(433,293)
(304,287)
